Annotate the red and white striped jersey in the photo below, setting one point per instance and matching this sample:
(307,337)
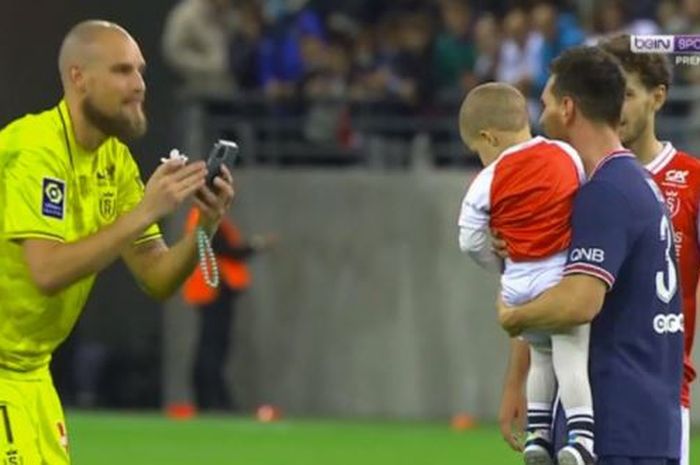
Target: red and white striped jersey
(678,176)
(526,195)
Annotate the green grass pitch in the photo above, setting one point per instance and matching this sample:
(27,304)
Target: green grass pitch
(152,439)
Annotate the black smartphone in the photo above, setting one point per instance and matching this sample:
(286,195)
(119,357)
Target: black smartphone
(224,152)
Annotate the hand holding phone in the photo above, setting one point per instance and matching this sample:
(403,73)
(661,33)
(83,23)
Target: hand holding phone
(224,152)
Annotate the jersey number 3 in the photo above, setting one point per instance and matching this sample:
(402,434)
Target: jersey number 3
(667,280)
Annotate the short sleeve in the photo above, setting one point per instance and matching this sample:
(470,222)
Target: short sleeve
(130,193)
(35,192)
(599,223)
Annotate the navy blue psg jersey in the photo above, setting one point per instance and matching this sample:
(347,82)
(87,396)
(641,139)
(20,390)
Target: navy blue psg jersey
(623,236)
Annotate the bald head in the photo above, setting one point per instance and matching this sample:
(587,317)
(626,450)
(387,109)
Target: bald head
(493,107)
(81,46)
(102,69)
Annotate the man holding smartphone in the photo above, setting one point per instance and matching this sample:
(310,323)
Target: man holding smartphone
(71,203)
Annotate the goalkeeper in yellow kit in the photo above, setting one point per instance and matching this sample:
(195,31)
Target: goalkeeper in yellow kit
(71,203)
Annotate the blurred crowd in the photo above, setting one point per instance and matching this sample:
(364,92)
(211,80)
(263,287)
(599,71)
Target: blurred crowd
(406,50)
(401,57)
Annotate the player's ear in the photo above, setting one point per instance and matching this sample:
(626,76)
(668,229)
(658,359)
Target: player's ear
(658,95)
(567,109)
(488,137)
(78,78)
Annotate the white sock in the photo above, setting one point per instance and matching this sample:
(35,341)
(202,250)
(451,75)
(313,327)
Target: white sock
(541,387)
(570,358)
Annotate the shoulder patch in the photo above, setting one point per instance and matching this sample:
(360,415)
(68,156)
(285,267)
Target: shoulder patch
(53,198)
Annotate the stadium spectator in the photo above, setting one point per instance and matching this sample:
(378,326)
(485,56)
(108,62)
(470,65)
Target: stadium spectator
(326,89)
(487,40)
(374,49)
(196,42)
(620,274)
(408,7)
(244,49)
(314,60)
(355,13)
(691,15)
(274,9)
(560,30)
(670,16)
(612,18)
(363,61)
(396,77)
(394,74)
(72,203)
(412,74)
(643,9)
(454,54)
(520,55)
(281,60)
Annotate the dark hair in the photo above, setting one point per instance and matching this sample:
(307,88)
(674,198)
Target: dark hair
(653,69)
(593,79)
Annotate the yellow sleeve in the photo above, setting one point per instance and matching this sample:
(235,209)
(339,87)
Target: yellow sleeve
(34,201)
(130,193)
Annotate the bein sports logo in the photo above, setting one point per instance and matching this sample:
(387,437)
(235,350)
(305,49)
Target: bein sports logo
(665,44)
(670,323)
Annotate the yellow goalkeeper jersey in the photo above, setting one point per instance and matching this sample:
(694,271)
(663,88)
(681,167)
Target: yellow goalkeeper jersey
(53,189)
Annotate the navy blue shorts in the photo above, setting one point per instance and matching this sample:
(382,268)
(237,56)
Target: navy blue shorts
(559,435)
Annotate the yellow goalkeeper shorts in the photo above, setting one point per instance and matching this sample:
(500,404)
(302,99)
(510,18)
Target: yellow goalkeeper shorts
(32,426)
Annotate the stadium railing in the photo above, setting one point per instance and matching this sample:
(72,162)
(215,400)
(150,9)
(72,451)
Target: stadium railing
(377,135)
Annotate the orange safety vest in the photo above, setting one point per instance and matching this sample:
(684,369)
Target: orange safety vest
(234,273)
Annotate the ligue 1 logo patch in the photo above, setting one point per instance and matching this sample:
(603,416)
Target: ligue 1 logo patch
(53,198)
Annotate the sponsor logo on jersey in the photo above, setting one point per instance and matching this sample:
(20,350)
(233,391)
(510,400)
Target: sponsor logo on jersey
(589,255)
(53,198)
(105,176)
(671,323)
(673,203)
(677,177)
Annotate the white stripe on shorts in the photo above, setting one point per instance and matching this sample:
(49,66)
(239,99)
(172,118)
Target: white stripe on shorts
(685,436)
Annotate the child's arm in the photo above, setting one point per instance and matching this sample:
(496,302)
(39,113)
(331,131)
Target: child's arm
(474,219)
(477,243)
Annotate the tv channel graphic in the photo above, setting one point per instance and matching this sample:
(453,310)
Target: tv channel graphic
(689,43)
(687,60)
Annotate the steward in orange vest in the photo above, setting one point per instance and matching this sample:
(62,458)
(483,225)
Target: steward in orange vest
(230,251)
